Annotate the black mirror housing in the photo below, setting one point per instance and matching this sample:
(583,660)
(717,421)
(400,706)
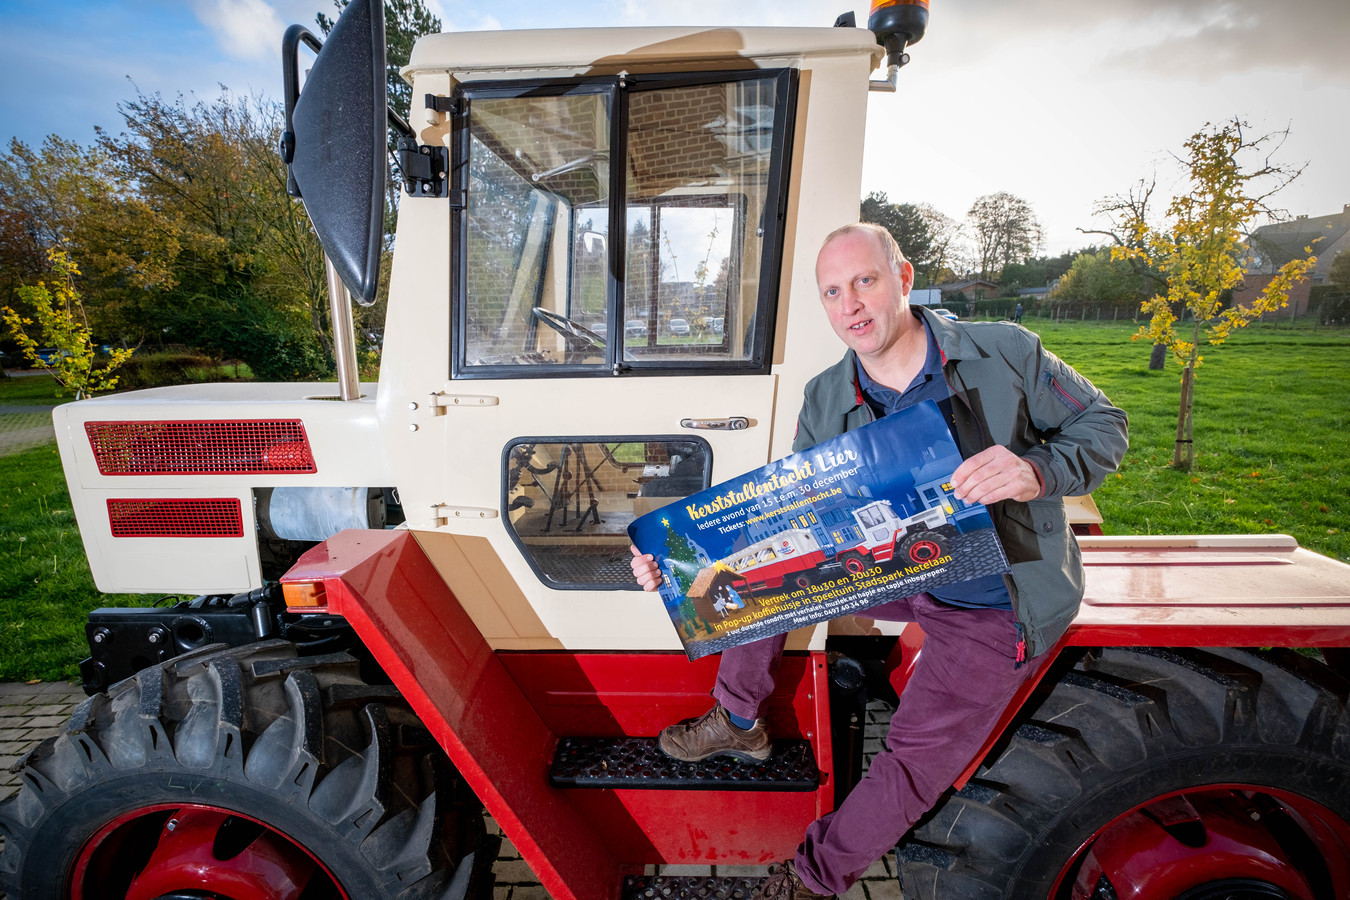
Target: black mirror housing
(335,141)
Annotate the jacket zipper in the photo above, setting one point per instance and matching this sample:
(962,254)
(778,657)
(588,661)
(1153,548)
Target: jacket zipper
(1065,395)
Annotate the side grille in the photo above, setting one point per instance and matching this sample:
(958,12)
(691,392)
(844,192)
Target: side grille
(176,517)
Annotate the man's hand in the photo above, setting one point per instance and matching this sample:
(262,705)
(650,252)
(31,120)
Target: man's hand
(644,569)
(995,474)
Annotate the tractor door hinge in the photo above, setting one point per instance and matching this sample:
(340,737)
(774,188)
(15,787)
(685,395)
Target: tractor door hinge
(440,401)
(441,104)
(444,513)
(424,168)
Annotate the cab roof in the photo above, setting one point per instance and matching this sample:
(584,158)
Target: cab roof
(609,50)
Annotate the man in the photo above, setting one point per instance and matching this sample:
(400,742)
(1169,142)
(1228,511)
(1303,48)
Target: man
(1031,430)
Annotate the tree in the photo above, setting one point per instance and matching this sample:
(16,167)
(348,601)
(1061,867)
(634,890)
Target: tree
(242,256)
(1022,275)
(906,224)
(404,22)
(1127,216)
(945,236)
(1201,256)
(58,316)
(1339,273)
(64,196)
(1005,231)
(1040,270)
(1099,277)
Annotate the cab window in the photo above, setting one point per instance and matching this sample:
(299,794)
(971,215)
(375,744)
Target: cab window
(619,227)
(568,502)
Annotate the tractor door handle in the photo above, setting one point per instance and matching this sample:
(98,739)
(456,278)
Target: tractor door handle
(731,423)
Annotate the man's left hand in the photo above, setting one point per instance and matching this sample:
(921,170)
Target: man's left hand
(993,475)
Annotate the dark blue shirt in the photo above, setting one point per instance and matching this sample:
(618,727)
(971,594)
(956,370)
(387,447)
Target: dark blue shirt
(931,384)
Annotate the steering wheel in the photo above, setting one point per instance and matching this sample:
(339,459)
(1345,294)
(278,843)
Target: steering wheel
(578,336)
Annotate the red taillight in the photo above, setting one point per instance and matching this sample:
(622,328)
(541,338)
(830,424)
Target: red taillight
(163,517)
(288,456)
(230,447)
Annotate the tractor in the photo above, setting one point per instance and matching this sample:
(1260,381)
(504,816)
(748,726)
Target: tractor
(410,600)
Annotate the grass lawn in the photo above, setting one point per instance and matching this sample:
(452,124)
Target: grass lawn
(46,590)
(19,390)
(1272,408)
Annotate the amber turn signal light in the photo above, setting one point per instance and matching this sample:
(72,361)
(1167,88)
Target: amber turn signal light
(304,593)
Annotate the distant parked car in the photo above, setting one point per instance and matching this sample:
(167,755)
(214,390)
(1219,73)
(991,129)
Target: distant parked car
(946,314)
(635,328)
(678,326)
(712,324)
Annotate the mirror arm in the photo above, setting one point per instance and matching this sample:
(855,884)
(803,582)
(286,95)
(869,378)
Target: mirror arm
(290,86)
(399,124)
(344,334)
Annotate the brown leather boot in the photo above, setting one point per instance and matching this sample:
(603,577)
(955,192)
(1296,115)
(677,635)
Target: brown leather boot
(712,734)
(783,883)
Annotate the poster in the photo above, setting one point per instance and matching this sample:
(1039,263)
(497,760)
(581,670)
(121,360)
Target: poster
(860,519)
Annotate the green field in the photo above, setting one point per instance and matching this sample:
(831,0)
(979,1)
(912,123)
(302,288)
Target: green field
(1272,408)
(46,590)
(1272,412)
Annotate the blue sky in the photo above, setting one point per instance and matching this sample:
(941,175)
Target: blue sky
(1061,102)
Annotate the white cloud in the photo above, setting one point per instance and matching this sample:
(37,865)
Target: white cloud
(1198,39)
(244,29)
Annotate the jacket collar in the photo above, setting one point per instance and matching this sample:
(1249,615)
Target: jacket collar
(952,337)
(954,344)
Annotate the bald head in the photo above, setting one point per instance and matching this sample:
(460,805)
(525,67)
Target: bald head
(894,255)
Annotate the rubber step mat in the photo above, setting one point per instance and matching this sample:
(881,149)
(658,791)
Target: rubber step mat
(688,887)
(633,762)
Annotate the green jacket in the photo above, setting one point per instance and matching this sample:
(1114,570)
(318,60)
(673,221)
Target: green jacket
(1007,389)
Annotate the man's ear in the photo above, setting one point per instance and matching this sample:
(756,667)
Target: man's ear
(906,277)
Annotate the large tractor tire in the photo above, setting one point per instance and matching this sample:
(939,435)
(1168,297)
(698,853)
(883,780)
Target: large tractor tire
(854,563)
(1156,773)
(243,774)
(923,547)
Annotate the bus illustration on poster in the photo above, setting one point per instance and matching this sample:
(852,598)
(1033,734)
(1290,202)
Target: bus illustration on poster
(854,521)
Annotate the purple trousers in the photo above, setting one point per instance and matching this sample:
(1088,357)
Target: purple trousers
(963,680)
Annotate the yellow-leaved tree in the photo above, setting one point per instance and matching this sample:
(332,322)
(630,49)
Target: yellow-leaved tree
(1201,255)
(58,316)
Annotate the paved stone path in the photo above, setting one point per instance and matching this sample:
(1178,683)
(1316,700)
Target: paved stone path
(31,712)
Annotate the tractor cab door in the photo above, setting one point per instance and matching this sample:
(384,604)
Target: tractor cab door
(615,274)
(878,522)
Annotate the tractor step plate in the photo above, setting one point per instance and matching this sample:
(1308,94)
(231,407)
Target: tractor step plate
(638,763)
(688,887)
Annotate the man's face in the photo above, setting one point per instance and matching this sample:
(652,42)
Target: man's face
(866,302)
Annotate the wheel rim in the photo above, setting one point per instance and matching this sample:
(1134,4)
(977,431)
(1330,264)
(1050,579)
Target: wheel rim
(924,551)
(1230,841)
(171,850)
(853,565)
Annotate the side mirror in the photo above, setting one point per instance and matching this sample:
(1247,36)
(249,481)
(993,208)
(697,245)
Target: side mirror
(593,242)
(335,140)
